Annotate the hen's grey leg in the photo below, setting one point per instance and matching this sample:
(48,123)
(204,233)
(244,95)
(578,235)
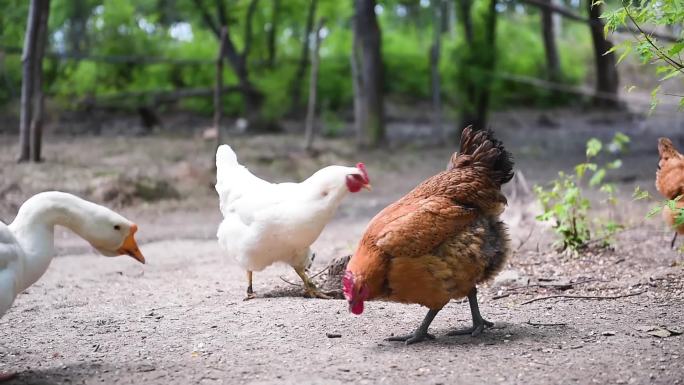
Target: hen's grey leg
(479,323)
(674,239)
(421,333)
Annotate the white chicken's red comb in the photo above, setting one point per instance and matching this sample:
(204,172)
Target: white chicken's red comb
(362,167)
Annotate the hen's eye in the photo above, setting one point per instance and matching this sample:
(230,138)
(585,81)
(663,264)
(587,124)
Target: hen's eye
(117,227)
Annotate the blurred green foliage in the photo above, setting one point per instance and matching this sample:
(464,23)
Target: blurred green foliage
(645,15)
(175,29)
(565,201)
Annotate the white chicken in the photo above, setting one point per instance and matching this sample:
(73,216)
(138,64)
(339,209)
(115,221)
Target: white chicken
(267,222)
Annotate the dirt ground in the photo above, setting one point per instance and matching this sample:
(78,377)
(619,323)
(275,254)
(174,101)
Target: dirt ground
(180,319)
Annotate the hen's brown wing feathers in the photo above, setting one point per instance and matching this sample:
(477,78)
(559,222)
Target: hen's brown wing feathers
(670,175)
(415,228)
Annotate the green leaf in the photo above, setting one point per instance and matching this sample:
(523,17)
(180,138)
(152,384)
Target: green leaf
(593,147)
(653,211)
(597,178)
(640,194)
(676,48)
(617,163)
(624,53)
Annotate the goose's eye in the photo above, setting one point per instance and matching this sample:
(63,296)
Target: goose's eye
(117,227)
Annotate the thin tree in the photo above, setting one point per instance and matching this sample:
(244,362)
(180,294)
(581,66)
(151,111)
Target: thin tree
(479,62)
(272,32)
(606,71)
(298,79)
(31,115)
(438,23)
(237,60)
(309,127)
(368,67)
(218,87)
(553,70)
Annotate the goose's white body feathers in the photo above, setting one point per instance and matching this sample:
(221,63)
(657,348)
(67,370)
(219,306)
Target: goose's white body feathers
(27,244)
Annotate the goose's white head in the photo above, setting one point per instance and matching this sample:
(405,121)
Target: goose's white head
(109,233)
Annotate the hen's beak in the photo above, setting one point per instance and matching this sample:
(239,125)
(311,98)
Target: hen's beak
(368,187)
(130,246)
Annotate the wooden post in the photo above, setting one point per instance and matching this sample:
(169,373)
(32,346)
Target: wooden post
(309,128)
(27,59)
(218,87)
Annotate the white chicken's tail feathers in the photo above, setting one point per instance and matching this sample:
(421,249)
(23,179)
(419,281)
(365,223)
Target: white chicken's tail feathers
(225,159)
(225,156)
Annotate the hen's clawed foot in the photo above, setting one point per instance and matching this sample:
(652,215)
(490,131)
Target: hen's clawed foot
(474,331)
(412,338)
(6,376)
(421,334)
(479,323)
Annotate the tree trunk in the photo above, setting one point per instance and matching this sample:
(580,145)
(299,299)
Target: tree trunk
(237,60)
(606,72)
(489,60)
(27,60)
(218,87)
(553,70)
(468,96)
(367,35)
(438,11)
(313,85)
(78,18)
(271,42)
(297,81)
(357,87)
(36,133)
(478,67)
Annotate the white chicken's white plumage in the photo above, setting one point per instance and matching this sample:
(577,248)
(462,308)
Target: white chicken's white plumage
(27,244)
(267,222)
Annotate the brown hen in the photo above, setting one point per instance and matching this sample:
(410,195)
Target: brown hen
(440,240)
(670,181)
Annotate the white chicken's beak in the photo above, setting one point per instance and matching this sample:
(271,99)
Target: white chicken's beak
(368,187)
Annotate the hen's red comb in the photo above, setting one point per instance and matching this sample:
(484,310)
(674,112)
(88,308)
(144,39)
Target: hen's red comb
(362,167)
(347,284)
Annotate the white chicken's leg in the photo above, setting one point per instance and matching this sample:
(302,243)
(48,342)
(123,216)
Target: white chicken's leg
(250,291)
(6,376)
(310,287)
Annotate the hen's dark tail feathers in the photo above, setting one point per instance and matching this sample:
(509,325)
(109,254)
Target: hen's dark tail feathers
(483,149)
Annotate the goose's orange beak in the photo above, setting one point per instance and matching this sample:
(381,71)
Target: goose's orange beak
(130,246)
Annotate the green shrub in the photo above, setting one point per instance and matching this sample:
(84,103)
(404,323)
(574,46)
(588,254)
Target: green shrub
(565,204)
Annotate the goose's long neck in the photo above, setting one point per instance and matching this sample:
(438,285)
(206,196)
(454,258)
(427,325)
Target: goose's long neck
(34,229)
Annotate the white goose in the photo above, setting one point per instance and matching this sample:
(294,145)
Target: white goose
(27,244)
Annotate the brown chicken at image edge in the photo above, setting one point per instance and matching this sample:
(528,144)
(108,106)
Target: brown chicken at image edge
(670,181)
(440,240)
